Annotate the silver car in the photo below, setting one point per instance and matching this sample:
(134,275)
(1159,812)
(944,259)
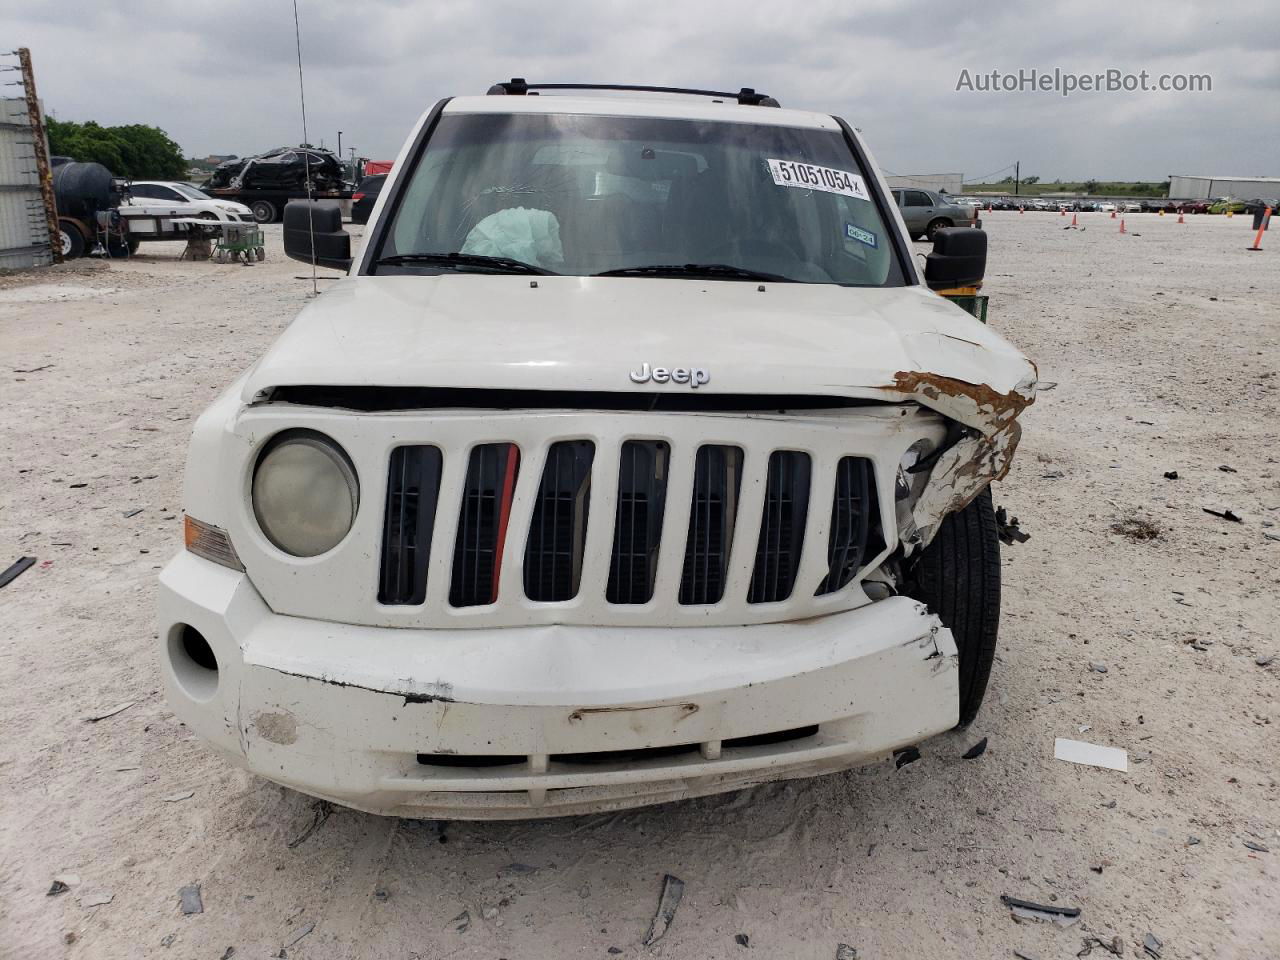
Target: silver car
(926,212)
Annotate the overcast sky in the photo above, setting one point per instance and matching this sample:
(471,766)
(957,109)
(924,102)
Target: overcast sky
(220,76)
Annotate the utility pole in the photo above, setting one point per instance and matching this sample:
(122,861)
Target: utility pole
(1017,168)
(40,146)
(339,146)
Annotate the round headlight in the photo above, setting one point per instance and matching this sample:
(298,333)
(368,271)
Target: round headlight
(305,493)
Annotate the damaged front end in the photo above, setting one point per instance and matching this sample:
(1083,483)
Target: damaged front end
(983,433)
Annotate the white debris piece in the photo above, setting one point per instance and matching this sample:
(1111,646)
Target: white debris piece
(1090,754)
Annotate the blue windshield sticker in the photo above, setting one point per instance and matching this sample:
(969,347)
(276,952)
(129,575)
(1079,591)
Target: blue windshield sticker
(862,236)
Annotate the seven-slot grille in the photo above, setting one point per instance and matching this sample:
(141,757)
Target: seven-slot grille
(554,543)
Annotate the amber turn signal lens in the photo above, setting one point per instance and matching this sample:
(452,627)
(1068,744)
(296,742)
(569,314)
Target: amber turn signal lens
(212,543)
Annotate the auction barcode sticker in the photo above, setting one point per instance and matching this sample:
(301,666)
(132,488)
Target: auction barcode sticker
(808,176)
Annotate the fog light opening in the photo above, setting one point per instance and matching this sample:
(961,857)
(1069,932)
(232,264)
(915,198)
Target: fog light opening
(195,668)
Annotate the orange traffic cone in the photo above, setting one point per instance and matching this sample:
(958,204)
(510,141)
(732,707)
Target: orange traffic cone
(1062,211)
(1022,210)
(1180,218)
(1073,221)
(988,207)
(1113,214)
(1122,224)
(1257,241)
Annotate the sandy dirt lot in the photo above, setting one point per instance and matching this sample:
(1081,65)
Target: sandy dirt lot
(1163,351)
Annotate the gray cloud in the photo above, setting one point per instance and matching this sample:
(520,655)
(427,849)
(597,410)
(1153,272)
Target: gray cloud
(221,77)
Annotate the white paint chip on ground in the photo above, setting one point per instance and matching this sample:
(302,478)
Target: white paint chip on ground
(96,898)
(175,797)
(1090,754)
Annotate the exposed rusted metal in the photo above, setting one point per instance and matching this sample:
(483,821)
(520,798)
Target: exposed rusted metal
(40,145)
(973,404)
(983,454)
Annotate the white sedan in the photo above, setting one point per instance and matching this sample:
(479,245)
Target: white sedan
(194,202)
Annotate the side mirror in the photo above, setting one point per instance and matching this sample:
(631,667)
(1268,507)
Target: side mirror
(959,258)
(318,222)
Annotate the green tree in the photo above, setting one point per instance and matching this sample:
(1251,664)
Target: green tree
(1030,179)
(1091,186)
(134,150)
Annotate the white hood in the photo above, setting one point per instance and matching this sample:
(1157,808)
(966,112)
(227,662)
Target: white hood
(577,333)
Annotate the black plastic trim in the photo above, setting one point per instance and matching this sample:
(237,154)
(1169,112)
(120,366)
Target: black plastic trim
(519,87)
(373,399)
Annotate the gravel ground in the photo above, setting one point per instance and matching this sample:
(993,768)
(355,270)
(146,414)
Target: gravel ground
(1159,351)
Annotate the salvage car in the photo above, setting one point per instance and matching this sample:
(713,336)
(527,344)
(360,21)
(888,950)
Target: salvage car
(925,212)
(365,196)
(636,458)
(187,199)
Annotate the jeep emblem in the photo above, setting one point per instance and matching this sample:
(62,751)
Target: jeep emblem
(693,376)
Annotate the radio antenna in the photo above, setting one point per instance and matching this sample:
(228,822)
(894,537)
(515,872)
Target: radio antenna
(306,157)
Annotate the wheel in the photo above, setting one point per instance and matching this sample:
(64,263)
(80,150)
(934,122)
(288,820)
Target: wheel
(260,253)
(264,211)
(934,226)
(72,241)
(134,244)
(958,578)
(117,247)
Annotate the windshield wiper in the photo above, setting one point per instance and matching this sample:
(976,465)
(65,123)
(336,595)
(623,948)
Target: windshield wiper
(463,260)
(718,271)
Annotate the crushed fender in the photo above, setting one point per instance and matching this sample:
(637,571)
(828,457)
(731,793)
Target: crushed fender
(983,452)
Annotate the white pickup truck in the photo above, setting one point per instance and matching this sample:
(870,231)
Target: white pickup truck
(635,459)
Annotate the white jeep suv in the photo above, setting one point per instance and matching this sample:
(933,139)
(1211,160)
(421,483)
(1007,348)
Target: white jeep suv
(635,459)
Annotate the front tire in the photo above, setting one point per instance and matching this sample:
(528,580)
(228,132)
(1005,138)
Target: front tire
(958,577)
(934,226)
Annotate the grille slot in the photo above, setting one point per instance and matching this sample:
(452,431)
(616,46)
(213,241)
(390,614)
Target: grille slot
(717,482)
(850,523)
(482,524)
(553,552)
(413,490)
(786,508)
(642,494)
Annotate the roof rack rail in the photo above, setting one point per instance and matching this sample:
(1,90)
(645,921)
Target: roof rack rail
(519,87)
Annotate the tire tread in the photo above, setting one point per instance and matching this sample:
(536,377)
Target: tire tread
(958,577)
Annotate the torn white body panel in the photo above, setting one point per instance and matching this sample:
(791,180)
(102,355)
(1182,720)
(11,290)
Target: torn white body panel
(351,713)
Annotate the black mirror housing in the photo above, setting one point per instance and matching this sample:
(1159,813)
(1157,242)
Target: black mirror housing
(332,244)
(959,258)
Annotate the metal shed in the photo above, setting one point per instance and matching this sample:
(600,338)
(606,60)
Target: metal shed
(1185,187)
(938,182)
(26,205)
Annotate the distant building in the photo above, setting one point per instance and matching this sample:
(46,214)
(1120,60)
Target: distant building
(938,182)
(1207,188)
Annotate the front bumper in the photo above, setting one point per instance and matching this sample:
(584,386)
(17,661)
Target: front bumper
(580,714)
